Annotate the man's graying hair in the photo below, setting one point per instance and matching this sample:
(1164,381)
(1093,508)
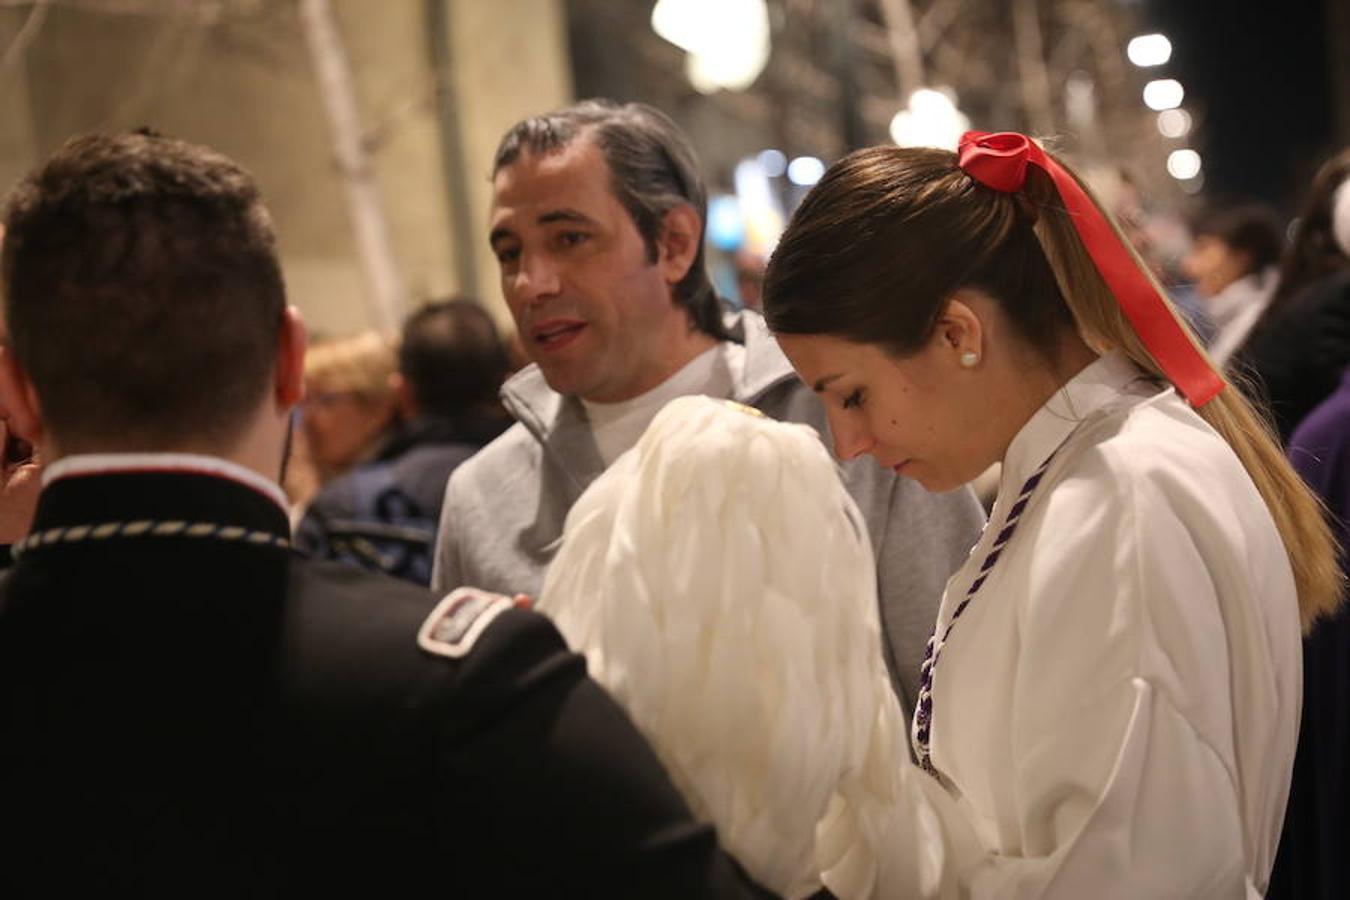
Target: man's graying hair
(653,169)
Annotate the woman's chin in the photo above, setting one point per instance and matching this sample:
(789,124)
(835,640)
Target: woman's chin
(934,482)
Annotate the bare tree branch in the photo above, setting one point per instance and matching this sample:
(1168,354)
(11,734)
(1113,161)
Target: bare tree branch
(355,169)
(378,133)
(905,51)
(207,12)
(1031,64)
(168,60)
(934,23)
(31,26)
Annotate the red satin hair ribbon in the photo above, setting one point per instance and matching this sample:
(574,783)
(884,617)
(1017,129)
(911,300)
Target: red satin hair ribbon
(999,161)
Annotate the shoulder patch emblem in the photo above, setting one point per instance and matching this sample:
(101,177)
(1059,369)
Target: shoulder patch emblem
(457,621)
(742,408)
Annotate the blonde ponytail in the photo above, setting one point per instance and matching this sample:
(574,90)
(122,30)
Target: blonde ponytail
(1298,513)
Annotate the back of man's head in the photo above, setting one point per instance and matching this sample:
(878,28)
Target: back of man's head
(452,358)
(142,293)
(653,168)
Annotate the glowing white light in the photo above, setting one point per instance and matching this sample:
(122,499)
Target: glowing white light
(1183,164)
(726,224)
(1080,100)
(1340,217)
(805,170)
(727,40)
(773,162)
(1149,50)
(1192,185)
(1165,93)
(760,205)
(1174,123)
(930,120)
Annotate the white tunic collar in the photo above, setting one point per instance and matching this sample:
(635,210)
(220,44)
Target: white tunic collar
(109,463)
(1084,394)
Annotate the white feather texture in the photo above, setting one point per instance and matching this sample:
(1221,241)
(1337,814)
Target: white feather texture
(720,582)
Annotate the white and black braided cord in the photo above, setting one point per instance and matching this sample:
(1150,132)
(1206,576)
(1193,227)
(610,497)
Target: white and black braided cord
(103,531)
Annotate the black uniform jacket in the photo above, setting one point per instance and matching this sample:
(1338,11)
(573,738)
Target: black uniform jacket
(211,715)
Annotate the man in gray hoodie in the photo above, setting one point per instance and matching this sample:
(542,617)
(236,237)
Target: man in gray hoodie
(597,222)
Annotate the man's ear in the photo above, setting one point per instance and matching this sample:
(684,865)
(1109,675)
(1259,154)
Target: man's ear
(19,400)
(292,341)
(679,242)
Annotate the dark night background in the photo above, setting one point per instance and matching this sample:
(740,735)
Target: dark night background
(1258,80)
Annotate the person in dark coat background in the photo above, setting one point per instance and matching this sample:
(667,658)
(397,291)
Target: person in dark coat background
(1302,357)
(1299,347)
(187,708)
(383,515)
(1312,862)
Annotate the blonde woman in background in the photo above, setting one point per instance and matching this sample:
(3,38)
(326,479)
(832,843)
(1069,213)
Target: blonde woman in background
(347,415)
(350,405)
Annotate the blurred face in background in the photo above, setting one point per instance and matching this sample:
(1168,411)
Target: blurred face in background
(342,427)
(1213,265)
(350,401)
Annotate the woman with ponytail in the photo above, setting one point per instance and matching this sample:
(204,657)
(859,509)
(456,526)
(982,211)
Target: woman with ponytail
(1109,706)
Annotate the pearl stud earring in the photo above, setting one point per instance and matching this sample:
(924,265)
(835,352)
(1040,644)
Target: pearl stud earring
(969,359)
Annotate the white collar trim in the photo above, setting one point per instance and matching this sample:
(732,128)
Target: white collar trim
(1097,385)
(194,463)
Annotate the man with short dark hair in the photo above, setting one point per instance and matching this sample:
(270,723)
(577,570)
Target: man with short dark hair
(187,708)
(451,363)
(597,222)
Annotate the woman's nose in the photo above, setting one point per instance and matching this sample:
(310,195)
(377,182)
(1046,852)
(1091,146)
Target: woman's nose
(851,439)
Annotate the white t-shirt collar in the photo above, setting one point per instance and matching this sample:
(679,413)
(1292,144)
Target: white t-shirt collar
(617,426)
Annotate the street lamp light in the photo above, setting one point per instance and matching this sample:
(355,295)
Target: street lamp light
(1183,165)
(773,161)
(1174,123)
(930,120)
(1164,93)
(1149,50)
(727,40)
(805,171)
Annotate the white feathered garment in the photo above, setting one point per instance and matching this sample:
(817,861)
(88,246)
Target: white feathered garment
(720,582)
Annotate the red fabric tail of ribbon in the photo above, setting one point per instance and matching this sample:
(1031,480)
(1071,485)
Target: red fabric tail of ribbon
(999,161)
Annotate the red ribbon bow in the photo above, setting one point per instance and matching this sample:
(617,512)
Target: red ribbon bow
(999,161)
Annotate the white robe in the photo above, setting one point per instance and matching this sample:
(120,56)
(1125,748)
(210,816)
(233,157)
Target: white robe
(1115,714)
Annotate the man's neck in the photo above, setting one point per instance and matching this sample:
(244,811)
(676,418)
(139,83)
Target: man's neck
(258,450)
(617,426)
(163,462)
(678,354)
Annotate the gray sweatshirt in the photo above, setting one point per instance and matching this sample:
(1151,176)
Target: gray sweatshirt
(504,509)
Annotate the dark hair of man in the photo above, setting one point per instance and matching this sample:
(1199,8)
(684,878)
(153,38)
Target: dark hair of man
(653,169)
(142,292)
(453,357)
(1252,230)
